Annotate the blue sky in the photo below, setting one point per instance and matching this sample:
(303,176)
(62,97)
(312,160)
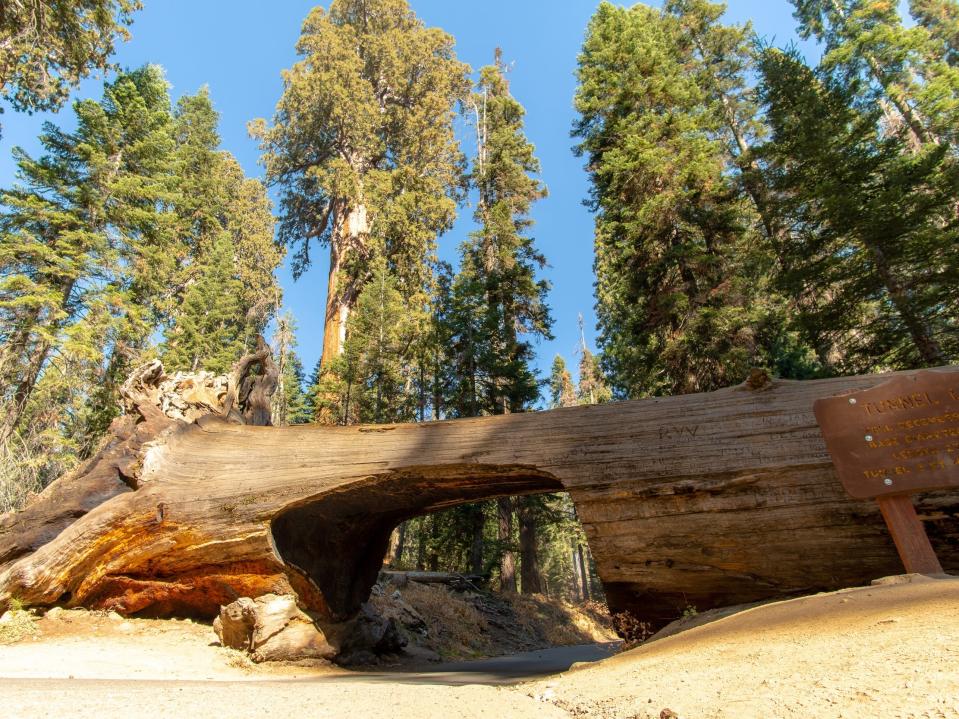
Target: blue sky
(239,47)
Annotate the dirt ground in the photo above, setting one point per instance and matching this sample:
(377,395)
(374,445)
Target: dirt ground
(881,651)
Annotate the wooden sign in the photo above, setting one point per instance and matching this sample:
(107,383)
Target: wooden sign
(891,440)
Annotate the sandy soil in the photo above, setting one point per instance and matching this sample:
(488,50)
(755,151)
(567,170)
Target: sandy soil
(884,651)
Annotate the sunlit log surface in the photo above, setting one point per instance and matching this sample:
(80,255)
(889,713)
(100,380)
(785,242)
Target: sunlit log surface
(700,500)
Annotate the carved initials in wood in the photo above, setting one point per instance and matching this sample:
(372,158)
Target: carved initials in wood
(678,432)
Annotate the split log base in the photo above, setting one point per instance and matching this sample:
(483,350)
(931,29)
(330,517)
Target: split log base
(703,500)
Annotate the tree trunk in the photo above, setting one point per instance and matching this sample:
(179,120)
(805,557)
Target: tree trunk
(528,563)
(476,546)
(507,564)
(583,574)
(34,365)
(341,292)
(711,499)
(400,534)
(577,576)
(922,336)
(21,395)
(337,310)
(421,545)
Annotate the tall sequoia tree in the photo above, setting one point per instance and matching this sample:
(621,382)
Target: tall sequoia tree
(48,46)
(362,147)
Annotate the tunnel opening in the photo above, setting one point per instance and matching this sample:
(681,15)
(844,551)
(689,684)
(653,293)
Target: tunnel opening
(532,544)
(337,541)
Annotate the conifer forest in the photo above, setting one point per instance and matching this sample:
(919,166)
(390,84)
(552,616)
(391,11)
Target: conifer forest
(790,205)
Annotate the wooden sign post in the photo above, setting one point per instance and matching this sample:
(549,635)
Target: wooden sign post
(892,440)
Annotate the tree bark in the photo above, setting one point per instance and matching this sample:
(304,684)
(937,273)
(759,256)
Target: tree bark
(922,336)
(530,582)
(507,564)
(476,546)
(577,576)
(31,372)
(711,499)
(583,574)
(341,291)
(400,534)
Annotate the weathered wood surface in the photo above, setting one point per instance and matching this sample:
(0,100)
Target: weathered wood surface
(703,500)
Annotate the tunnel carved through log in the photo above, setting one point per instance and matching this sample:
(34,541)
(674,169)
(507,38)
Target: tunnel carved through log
(705,500)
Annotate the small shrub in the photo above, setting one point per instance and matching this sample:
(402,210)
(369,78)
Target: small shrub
(690,611)
(27,465)
(633,631)
(17,623)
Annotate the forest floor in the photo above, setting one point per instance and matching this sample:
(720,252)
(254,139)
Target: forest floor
(890,650)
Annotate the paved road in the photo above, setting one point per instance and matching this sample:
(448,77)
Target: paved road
(463,689)
(498,670)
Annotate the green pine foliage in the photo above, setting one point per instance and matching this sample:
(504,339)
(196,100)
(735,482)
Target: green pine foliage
(47,47)
(131,226)
(875,218)
(87,257)
(680,276)
(290,403)
(592,387)
(869,50)
(939,18)
(562,391)
(209,332)
(498,306)
(225,288)
(371,380)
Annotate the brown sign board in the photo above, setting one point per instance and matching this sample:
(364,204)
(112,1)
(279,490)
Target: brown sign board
(898,437)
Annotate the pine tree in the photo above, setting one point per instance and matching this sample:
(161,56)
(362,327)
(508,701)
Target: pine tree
(500,260)
(869,50)
(592,388)
(87,253)
(940,18)
(289,400)
(362,147)
(459,317)
(686,229)
(876,216)
(562,392)
(47,47)
(311,404)
(209,330)
(225,290)
(937,33)
(371,380)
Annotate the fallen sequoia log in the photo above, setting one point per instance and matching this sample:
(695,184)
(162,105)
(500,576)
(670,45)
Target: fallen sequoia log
(704,500)
(454,580)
